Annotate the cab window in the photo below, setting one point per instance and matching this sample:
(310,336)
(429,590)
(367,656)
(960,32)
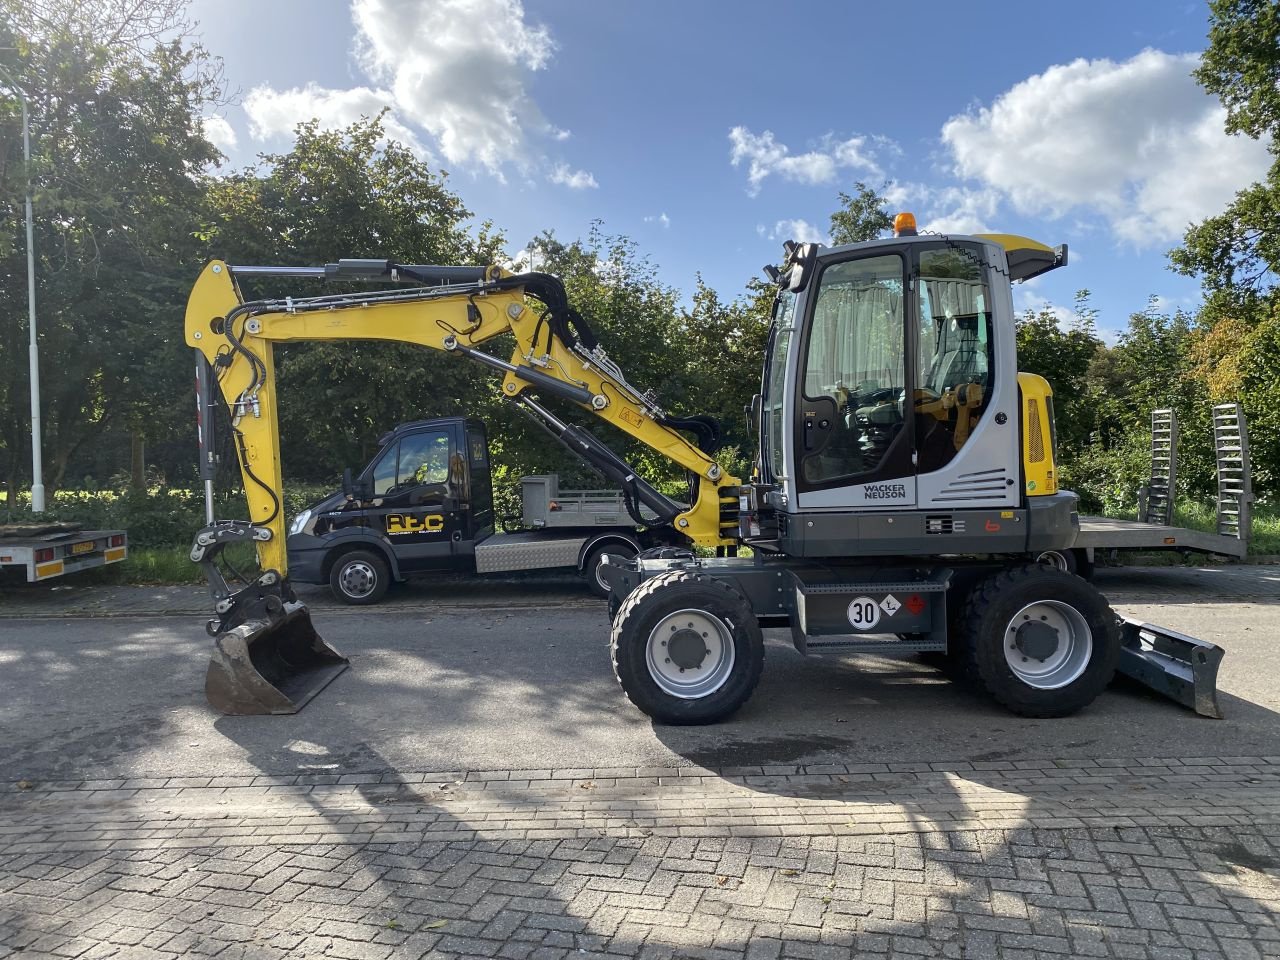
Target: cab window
(420,458)
(955,360)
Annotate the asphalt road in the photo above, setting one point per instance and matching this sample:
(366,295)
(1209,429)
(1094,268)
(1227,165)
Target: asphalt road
(519,686)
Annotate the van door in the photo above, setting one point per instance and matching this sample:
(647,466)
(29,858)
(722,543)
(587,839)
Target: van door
(417,499)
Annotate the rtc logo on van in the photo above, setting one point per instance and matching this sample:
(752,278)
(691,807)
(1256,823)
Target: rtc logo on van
(400,523)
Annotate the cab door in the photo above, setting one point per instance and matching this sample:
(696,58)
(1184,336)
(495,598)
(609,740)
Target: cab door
(853,430)
(418,497)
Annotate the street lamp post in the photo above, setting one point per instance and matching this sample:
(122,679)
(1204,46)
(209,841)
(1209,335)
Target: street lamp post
(37,469)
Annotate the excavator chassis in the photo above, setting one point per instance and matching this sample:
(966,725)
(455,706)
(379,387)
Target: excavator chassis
(811,598)
(267,657)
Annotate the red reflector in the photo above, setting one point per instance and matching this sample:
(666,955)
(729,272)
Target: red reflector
(117,540)
(45,555)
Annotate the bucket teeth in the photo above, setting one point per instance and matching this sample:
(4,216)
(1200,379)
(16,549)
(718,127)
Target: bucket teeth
(273,665)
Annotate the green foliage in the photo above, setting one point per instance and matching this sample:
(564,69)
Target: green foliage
(350,193)
(862,216)
(1242,64)
(1063,357)
(116,91)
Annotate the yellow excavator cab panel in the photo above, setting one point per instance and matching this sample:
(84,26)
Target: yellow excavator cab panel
(1038,435)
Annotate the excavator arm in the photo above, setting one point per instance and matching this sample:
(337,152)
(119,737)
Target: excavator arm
(452,309)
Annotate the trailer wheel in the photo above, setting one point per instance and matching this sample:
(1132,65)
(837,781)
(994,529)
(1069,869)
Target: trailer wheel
(360,577)
(591,569)
(1084,566)
(1042,642)
(1064,560)
(686,648)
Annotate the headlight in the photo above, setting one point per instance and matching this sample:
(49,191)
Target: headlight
(299,522)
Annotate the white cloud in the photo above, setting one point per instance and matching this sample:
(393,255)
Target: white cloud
(661,218)
(765,157)
(1137,142)
(573,179)
(274,113)
(457,69)
(220,133)
(801,230)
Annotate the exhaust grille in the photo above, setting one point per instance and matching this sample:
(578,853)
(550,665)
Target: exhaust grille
(1035,434)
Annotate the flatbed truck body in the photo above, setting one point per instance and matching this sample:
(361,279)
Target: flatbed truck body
(35,552)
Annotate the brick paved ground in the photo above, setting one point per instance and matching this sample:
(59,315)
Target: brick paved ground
(1107,858)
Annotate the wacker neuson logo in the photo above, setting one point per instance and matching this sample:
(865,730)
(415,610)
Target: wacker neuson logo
(885,491)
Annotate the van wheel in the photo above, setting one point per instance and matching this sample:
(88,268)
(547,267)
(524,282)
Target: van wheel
(591,569)
(360,577)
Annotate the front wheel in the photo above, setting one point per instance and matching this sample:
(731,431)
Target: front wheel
(360,577)
(686,648)
(1042,642)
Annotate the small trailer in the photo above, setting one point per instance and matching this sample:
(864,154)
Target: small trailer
(42,551)
(1154,530)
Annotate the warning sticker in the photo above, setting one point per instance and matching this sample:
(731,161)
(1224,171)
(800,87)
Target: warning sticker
(864,613)
(890,605)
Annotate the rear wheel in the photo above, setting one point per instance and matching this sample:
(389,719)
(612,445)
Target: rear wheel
(686,648)
(595,561)
(1042,642)
(360,577)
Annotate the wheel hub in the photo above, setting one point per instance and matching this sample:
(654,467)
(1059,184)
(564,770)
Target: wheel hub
(690,653)
(687,649)
(1038,640)
(358,579)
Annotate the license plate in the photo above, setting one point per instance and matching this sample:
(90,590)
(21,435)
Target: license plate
(86,547)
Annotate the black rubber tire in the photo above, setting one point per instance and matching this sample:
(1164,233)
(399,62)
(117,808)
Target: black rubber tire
(381,574)
(995,601)
(614,549)
(643,610)
(1084,566)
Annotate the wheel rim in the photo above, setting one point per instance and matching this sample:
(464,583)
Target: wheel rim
(1048,644)
(358,579)
(1054,559)
(690,654)
(597,572)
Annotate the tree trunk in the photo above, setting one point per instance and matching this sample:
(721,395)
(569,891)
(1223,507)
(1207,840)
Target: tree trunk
(138,461)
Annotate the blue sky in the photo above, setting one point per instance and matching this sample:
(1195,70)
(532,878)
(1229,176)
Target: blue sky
(710,132)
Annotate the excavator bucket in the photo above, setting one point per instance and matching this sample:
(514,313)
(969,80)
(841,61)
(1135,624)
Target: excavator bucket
(1172,664)
(273,665)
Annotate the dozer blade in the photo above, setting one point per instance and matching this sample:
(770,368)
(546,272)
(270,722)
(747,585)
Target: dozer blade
(270,666)
(1171,663)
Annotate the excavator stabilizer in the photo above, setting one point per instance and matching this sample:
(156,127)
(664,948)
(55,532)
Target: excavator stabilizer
(270,666)
(1172,664)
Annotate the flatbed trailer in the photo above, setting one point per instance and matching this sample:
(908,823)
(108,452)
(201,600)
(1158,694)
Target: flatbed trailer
(34,552)
(1155,530)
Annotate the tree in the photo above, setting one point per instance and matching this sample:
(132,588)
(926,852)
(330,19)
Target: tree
(349,193)
(1238,250)
(116,93)
(862,216)
(1063,357)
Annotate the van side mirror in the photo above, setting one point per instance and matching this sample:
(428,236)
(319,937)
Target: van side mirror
(354,489)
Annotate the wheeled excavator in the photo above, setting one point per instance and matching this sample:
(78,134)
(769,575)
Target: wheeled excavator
(905,478)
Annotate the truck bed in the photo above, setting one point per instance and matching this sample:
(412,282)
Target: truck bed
(1108,533)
